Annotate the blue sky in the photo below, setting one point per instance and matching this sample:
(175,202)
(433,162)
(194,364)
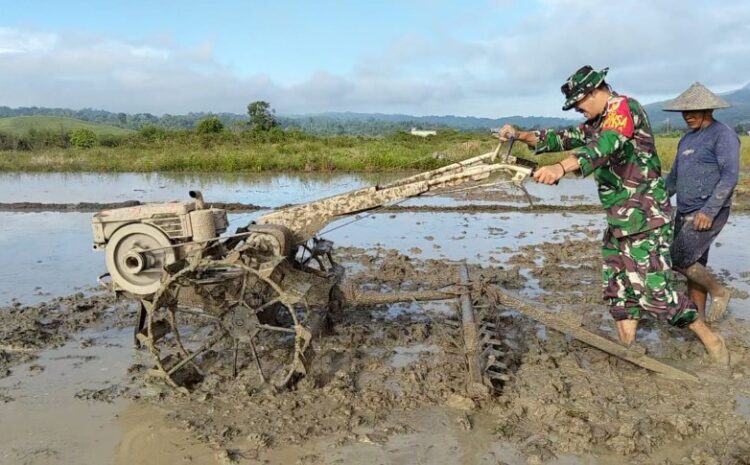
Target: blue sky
(474,57)
(287,40)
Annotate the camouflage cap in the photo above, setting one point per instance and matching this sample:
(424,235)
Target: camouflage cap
(697,97)
(580,84)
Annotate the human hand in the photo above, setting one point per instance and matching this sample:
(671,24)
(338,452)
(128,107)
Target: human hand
(550,174)
(702,222)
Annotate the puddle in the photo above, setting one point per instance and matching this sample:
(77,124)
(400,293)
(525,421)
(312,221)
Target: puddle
(457,236)
(434,436)
(62,413)
(419,311)
(46,423)
(743,406)
(148,438)
(404,356)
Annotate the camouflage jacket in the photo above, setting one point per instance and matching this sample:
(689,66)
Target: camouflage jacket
(619,149)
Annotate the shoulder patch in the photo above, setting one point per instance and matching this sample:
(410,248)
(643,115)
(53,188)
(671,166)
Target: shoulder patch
(619,118)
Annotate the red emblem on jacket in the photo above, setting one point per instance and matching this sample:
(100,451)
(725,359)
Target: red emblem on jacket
(618,117)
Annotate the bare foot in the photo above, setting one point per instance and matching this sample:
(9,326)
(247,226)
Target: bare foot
(719,303)
(626,329)
(718,351)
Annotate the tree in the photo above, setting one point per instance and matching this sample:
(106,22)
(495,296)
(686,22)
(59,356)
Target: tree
(262,116)
(84,138)
(210,125)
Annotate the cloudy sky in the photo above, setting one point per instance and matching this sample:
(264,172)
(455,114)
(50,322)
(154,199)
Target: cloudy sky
(471,57)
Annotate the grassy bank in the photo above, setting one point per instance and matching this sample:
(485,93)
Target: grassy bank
(184,151)
(285,152)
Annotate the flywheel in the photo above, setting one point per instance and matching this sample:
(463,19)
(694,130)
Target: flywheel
(136,256)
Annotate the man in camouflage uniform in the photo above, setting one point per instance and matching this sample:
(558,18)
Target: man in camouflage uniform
(616,145)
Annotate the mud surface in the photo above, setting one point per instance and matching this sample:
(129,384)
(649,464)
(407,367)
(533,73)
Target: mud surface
(388,383)
(384,374)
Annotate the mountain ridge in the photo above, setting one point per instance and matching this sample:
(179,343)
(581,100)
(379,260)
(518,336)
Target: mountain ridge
(358,123)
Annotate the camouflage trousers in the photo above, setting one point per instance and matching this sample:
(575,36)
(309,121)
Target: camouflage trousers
(637,278)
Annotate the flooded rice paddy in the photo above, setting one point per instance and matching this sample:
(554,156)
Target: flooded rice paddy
(82,400)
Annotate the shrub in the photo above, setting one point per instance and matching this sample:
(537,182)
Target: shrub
(210,125)
(84,138)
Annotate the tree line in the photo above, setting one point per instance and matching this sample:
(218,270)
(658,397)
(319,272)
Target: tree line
(320,124)
(260,110)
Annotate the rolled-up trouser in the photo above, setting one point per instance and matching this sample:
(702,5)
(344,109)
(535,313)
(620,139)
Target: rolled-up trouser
(690,246)
(637,277)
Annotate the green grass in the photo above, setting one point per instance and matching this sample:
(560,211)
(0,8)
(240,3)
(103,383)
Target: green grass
(185,152)
(20,125)
(281,151)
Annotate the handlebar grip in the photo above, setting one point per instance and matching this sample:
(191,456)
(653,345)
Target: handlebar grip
(534,171)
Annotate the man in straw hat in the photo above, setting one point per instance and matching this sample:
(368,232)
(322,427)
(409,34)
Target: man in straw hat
(616,145)
(705,172)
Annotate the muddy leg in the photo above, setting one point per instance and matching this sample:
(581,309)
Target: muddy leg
(139,327)
(714,343)
(626,329)
(698,295)
(720,295)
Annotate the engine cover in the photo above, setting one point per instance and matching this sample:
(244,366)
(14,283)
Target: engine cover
(140,241)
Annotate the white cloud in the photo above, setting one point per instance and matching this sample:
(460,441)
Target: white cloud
(14,41)
(653,49)
(150,52)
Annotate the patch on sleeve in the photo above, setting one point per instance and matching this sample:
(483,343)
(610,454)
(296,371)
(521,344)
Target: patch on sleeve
(618,118)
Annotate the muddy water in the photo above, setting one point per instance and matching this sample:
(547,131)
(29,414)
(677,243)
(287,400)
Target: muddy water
(44,255)
(49,254)
(266,189)
(65,409)
(260,189)
(46,423)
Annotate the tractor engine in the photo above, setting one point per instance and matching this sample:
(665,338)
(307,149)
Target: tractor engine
(140,241)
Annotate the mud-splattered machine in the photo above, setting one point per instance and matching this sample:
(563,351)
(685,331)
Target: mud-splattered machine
(267,289)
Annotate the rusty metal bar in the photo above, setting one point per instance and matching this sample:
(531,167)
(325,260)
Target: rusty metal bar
(575,330)
(474,386)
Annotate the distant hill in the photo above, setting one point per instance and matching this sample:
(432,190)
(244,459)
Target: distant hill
(320,123)
(327,122)
(20,125)
(738,114)
(349,122)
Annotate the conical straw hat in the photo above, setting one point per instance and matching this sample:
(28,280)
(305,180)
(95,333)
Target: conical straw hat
(697,97)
